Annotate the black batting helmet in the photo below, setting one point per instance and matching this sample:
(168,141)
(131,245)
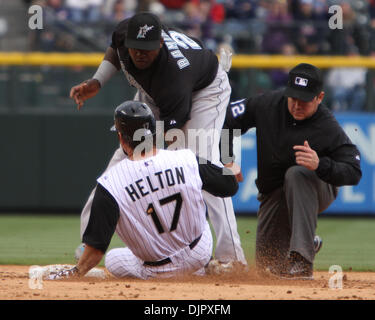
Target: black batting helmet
(131,116)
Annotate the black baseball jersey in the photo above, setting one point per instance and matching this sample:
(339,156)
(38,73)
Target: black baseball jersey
(277,132)
(182,67)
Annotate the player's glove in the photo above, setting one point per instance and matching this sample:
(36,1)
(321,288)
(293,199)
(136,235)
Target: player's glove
(63,274)
(226,59)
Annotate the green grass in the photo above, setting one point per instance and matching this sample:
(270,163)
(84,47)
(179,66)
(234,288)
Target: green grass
(52,239)
(347,242)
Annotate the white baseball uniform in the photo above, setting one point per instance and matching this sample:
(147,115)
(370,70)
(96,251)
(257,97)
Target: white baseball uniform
(208,114)
(187,89)
(162,214)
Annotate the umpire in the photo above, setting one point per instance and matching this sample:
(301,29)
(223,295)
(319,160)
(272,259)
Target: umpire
(303,157)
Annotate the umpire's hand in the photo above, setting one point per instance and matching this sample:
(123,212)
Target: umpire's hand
(307,157)
(84,91)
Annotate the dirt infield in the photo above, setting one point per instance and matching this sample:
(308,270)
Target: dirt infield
(15,285)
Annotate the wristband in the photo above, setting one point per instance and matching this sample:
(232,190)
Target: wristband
(105,72)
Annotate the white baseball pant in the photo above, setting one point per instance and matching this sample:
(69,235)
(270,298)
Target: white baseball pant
(121,262)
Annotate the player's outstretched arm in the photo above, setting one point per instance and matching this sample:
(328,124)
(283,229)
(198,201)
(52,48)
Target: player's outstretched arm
(89,259)
(85,90)
(89,88)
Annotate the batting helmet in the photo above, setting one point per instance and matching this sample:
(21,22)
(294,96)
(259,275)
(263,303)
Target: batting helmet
(131,116)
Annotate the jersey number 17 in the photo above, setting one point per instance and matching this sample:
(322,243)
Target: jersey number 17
(176,215)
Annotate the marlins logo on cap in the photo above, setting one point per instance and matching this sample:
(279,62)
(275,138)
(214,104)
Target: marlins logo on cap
(143,30)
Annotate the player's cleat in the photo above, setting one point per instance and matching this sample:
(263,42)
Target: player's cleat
(318,242)
(299,269)
(218,267)
(268,272)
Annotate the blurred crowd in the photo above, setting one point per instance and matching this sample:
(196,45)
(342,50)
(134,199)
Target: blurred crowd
(249,26)
(285,27)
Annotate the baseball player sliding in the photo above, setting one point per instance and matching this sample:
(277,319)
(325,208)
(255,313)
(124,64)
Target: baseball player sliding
(186,88)
(153,200)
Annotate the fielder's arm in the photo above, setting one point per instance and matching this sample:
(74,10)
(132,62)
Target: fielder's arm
(89,88)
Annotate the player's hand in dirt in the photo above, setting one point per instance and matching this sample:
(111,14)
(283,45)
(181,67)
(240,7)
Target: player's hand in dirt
(63,274)
(235,168)
(85,90)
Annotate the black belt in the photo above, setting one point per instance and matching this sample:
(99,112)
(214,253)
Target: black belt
(168,260)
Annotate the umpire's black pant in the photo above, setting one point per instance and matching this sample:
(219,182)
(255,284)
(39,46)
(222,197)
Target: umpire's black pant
(287,217)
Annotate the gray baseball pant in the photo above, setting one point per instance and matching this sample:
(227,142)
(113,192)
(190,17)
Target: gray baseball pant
(287,217)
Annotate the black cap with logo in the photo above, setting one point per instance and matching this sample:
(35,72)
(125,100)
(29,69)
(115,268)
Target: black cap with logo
(305,82)
(144,32)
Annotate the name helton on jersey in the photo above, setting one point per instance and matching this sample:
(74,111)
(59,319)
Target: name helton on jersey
(142,187)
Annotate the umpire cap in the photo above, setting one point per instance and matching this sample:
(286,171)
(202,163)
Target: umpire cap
(305,82)
(131,116)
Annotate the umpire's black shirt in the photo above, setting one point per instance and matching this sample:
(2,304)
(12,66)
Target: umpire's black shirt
(182,67)
(277,132)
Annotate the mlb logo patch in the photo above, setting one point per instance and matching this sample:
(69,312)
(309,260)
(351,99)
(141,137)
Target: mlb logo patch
(301,82)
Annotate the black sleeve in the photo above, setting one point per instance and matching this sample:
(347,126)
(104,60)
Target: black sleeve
(103,220)
(238,119)
(242,115)
(340,163)
(341,167)
(220,182)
